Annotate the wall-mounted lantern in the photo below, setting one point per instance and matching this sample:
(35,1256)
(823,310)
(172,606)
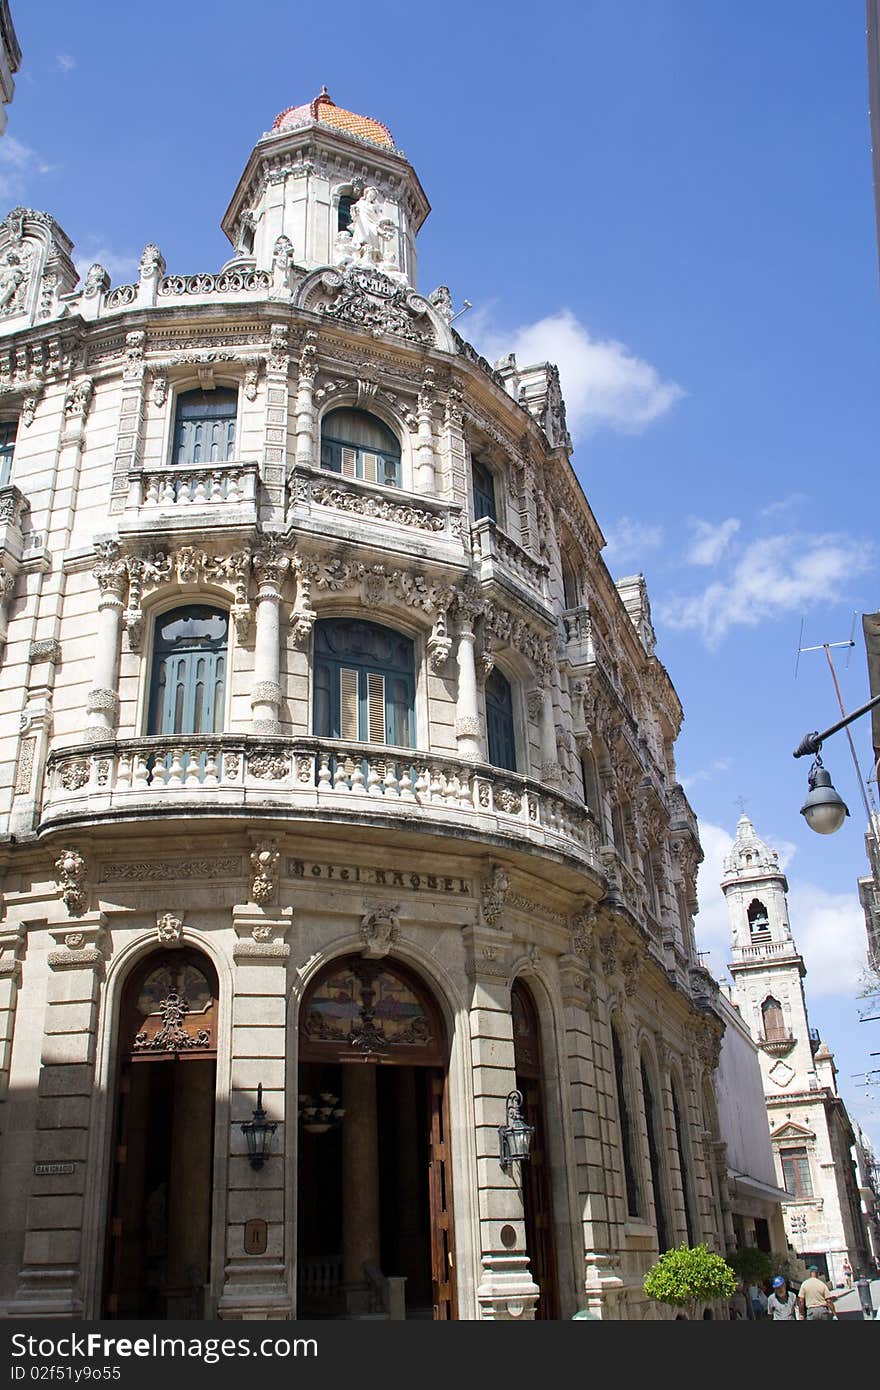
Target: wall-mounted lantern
(258,1132)
(514,1138)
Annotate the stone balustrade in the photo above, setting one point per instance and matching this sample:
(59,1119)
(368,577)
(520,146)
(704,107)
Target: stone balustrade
(193,485)
(493,549)
(759,953)
(304,775)
(317,490)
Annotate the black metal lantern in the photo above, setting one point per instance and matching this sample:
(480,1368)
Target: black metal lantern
(258,1132)
(514,1138)
(824,809)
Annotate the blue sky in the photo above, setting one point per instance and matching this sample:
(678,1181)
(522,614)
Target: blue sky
(673,200)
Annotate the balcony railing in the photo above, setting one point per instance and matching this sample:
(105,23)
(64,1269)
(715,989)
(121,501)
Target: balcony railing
(302,775)
(186,488)
(777,1044)
(493,548)
(317,491)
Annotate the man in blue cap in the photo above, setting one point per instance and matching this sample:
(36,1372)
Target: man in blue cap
(782,1303)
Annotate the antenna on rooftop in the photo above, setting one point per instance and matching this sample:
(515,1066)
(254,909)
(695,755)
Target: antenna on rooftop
(466,304)
(826,648)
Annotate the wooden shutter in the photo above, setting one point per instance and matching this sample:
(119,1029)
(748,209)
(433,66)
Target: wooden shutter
(375,707)
(371,464)
(348,704)
(349,461)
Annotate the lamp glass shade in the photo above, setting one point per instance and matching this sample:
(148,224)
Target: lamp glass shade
(824,809)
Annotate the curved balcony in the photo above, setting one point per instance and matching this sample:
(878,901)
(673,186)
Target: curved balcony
(305,778)
(181,496)
(500,558)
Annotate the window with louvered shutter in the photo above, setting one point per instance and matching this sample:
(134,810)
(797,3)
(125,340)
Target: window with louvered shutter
(796,1172)
(375,707)
(348,704)
(204,426)
(364,683)
(357,445)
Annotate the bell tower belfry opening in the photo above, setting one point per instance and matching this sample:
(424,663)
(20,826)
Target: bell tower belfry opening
(375,1235)
(158,1249)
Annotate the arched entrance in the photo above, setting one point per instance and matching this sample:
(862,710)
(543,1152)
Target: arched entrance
(537,1192)
(157,1260)
(374,1183)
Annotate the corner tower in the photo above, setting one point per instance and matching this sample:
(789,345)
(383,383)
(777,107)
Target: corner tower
(335,186)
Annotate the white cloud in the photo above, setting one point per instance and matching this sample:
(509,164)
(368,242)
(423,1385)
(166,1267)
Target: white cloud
(770,577)
(712,921)
(784,504)
(120,267)
(828,928)
(17,162)
(65,62)
(628,540)
(706,774)
(604,384)
(710,542)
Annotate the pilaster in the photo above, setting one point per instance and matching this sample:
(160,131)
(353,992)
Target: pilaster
(258,1286)
(50,1281)
(506,1290)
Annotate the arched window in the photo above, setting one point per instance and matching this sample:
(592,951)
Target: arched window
(364,683)
(8,431)
(592,788)
(357,445)
(484,491)
(189,671)
(758,919)
(684,1168)
(204,426)
(626,1136)
(651,1121)
(343,211)
(569,583)
(499,722)
(773,1019)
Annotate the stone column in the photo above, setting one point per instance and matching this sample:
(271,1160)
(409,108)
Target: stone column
(424,480)
(270,567)
(258,1285)
(50,1283)
(360,1177)
(468,724)
(587,1078)
(506,1291)
(272,468)
(102,701)
(305,408)
(551,772)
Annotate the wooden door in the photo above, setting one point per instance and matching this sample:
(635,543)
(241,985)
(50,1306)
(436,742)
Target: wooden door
(440,1197)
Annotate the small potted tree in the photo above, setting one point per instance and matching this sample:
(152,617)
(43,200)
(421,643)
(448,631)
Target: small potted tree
(689,1276)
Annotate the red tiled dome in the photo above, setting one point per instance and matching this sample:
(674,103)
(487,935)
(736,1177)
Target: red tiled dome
(325,111)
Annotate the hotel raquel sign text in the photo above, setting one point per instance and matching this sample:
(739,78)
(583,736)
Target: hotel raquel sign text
(379,878)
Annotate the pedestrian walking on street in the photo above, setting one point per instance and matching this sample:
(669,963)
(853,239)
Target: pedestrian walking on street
(782,1303)
(815,1300)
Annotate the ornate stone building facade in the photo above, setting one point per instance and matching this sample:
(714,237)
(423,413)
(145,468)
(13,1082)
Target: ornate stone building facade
(335,765)
(810,1129)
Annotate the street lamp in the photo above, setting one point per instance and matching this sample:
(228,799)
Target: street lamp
(258,1133)
(824,809)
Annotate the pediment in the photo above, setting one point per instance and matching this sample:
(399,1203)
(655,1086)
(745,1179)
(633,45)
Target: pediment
(790,1130)
(374,302)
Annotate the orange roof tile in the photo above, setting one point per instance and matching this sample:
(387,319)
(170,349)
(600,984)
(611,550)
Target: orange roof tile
(325,111)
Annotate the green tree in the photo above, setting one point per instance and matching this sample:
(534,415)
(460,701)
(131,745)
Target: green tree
(688,1276)
(750,1265)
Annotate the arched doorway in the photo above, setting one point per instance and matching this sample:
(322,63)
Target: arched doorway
(537,1191)
(374,1183)
(157,1261)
